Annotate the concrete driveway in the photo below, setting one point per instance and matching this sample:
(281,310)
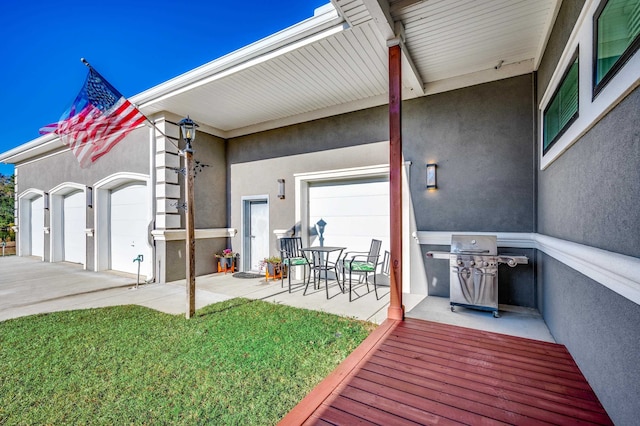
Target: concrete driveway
(29,286)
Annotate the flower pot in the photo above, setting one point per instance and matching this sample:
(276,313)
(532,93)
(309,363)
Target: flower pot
(226,262)
(273,269)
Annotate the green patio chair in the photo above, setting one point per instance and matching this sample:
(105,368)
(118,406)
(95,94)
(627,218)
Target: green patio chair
(362,264)
(293,256)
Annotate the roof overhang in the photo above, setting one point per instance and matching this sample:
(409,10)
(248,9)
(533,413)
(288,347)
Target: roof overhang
(337,62)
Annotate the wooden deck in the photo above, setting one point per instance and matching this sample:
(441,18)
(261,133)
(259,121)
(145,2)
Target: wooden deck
(419,372)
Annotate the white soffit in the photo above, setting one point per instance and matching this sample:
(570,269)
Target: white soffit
(448,38)
(339,69)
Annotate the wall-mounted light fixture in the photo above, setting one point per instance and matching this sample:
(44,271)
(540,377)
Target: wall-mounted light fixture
(89,193)
(281,189)
(432,182)
(46,201)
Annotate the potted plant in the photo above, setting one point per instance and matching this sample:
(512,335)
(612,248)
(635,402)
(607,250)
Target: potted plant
(272,264)
(226,258)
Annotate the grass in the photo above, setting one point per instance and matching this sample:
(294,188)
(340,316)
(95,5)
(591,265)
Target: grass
(238,362)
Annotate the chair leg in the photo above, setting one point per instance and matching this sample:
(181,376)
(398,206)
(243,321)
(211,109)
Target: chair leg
(338,279)
(349,285)
(375,286)
(308,280)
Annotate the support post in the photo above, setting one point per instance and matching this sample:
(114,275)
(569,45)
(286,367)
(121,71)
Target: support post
(190,237)
(396,309)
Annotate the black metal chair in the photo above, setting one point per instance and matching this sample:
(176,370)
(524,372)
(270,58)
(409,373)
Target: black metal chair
(292,256)
(362,264)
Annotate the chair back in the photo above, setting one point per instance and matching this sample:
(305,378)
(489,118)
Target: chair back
(374,251)
(386,261)
(383,278)
(291,247)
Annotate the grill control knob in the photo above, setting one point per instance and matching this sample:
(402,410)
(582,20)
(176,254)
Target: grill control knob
(472,263)
(460,262)
(485,264)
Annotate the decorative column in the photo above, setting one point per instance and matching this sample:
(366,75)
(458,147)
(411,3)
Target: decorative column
(396,309)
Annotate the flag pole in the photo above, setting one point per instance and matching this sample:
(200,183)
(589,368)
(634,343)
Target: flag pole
(171,139)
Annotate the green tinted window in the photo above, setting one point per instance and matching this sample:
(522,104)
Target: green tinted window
(617,25)
(563,108)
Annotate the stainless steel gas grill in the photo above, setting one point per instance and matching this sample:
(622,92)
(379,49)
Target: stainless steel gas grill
(473,277)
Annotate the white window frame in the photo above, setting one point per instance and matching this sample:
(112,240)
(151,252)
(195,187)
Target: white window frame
(590,110)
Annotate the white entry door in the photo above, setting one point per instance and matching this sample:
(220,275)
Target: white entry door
(128,228)
(256,233)
(37,227)
(355,212)
(74,222)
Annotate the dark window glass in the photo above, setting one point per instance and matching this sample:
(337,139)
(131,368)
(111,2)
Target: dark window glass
(616,38)
(562,110)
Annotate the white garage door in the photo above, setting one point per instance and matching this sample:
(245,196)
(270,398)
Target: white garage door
(355,212)
(128,225)
(37,227)
(73,227)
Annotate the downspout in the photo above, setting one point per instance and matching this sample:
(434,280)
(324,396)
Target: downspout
(396,309)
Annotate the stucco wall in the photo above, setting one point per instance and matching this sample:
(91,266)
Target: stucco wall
(130,155)
(589,195)
(481,138)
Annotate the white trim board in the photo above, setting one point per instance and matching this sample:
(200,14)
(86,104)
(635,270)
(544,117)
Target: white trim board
(200,234)
(617,272)
(591,110)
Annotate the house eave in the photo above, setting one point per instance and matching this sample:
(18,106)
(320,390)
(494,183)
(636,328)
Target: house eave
(325,18)
(29,150)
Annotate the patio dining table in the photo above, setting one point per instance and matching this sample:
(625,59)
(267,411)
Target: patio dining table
(322,263)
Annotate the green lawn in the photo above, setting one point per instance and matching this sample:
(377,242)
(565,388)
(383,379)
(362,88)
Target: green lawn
(238,362)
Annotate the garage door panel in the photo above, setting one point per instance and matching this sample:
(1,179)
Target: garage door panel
(128,227)
(74,221)
(352,206)
(355,212)
(37,227)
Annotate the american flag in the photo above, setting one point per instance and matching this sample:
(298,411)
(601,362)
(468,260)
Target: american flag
(98,119)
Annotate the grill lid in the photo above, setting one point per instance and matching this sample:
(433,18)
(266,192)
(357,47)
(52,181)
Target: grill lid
(474,244)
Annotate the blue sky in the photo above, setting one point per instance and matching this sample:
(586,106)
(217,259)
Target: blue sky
(134,44)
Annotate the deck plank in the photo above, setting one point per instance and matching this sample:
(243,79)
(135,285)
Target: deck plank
(421,372)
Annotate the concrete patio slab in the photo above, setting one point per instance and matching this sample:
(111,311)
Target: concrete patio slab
(29,286)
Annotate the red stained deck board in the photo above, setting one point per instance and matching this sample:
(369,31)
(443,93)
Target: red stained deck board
(507,346)
(507,406)
(493,378)
(496,391)
(495,368)
(422,372)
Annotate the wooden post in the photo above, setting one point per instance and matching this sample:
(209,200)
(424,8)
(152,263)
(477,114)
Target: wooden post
(396,309)
(190,237)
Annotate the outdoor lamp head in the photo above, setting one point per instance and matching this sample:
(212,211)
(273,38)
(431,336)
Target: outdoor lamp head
(188,128)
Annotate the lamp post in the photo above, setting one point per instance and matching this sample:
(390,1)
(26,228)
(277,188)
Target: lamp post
(188,128)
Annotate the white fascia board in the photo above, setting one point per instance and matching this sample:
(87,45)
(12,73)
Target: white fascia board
(38,146)
(200,234)
(326,22)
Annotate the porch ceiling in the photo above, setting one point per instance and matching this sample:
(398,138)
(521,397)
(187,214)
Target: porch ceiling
(336,61)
